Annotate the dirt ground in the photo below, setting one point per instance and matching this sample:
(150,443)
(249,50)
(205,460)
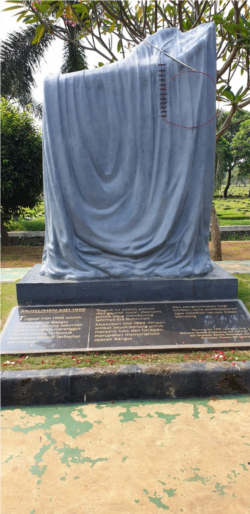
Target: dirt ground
(25,256)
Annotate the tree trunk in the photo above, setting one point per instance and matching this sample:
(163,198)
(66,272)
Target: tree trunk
(215,236)
(228,183)
(4,235)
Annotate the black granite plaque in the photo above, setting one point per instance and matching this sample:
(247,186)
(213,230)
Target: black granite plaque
(209,322)
(130,325)
(46,329)
(126,326)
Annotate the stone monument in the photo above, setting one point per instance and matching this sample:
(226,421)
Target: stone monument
(128,152)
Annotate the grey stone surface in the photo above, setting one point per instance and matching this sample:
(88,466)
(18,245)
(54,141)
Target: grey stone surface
(235,228)
(34,289)
(133,199)
(28,235)
(26,238)
(35,387)
(168,381)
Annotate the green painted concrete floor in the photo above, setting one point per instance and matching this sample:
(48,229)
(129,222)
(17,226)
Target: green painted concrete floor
(235,266)
(13,274)
(130,457)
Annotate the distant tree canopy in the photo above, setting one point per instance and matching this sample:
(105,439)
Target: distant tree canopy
(233,150)
(21,160)
(241,149)
(99,26)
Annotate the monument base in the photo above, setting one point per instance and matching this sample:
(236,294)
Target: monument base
(34,289)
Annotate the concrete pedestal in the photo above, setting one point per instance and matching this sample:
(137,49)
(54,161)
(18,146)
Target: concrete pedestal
(36,290)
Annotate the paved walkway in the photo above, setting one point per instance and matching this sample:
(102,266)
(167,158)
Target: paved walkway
(129,457)
(13,274)
(235,266)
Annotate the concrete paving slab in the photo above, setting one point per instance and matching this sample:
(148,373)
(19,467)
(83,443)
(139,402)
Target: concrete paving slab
(12,274)
(235,266)
(187,456)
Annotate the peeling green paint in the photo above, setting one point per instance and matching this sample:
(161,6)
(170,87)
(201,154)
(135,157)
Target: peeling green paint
(196,412)
(242,399)
(198,478)
(202,403)
(73,427)
(128,416)
(244,467)
(170,492)
(124,458)
(137,501)
(156,500)
(63,479)
(195,469)
(32,511)
(228,411)
(163,483)
(76,478)
(168,417)
(39,482)
(7,460)
(74,455)
(234,474)
(246,444)
(220,489)
(37,470)
(234,496)
(145,491)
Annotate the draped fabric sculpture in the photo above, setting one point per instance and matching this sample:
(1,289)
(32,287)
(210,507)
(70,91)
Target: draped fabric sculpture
(128,190)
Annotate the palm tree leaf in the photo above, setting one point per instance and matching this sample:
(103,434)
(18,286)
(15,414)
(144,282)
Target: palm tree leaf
(19,62)
(74,58)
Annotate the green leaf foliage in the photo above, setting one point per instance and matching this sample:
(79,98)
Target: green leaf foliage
(74,58)
(21,160)
(20,59)
(241,148)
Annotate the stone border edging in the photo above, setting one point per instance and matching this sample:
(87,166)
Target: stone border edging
(124,382)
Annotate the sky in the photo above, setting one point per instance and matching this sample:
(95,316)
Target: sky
(53,57)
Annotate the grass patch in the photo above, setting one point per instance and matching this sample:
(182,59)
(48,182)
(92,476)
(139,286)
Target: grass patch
(244,288)
(232,222)
(103,359)
(8,300)
(234,210)
(22,225)
(99,358)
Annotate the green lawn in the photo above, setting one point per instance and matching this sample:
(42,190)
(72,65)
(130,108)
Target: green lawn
(235,210)
(44,361)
